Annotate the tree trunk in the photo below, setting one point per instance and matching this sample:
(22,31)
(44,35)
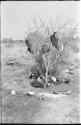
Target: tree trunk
(46,75)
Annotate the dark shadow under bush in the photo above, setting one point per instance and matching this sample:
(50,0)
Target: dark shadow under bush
(37,84)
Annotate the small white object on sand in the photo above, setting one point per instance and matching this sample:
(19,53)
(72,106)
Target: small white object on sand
(53,78)
(31,93)
(62,47)
(13,92)
(66,70)
(68,92)
(39,79)
(6,83)
(49,84)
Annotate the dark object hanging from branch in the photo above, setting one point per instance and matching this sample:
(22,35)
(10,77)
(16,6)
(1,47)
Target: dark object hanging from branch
(54,40)
(29,45)
(45,49)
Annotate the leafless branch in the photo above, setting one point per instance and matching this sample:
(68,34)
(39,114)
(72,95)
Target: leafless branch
(46,28)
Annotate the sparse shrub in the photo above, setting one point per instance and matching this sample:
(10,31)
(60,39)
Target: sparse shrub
(54,61)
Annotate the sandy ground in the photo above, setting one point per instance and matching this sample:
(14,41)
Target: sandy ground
(21,108)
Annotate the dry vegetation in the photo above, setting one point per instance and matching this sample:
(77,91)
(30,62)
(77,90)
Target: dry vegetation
(16,67)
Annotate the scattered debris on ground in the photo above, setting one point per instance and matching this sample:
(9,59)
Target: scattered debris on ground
(31,104)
